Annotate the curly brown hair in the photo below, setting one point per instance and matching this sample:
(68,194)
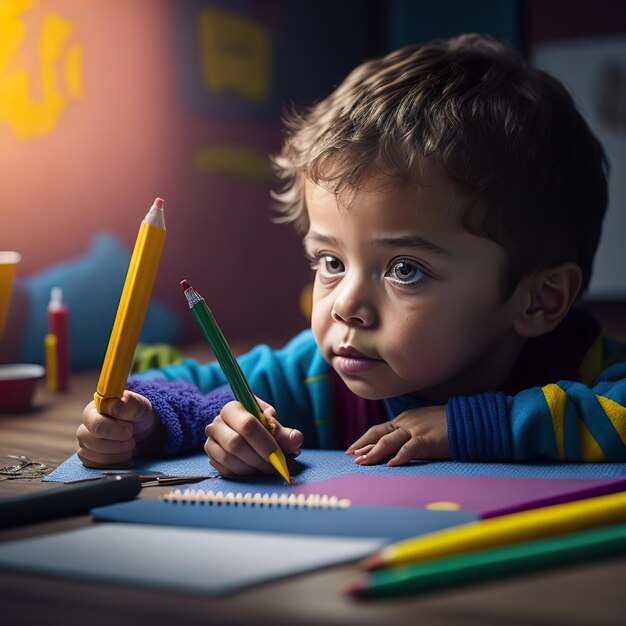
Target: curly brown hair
(508,134)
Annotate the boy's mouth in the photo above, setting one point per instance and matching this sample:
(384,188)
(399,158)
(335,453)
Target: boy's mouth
(348,360)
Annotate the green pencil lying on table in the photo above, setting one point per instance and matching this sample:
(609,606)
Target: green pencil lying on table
(231,369)
(492,564)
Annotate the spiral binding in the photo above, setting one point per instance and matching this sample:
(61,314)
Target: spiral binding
(287,500)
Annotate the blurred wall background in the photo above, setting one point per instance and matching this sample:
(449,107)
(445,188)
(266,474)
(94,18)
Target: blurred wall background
(106,104)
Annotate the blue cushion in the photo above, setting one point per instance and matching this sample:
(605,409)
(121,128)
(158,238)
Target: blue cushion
(92,285)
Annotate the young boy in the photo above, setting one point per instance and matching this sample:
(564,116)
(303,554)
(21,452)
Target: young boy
(452,199)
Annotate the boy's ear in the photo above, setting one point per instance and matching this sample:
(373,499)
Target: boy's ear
(547,296)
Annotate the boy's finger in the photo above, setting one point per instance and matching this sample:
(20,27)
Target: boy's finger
(240,448)
(104,427)
(230,463)
(421,448)
(104,446)
(364,450)
(387,445)
(412,449)
(371,436)
(89,458)
(220,469)
(228,436)
(132,407)
(289,440)
(251,430)
(265,406)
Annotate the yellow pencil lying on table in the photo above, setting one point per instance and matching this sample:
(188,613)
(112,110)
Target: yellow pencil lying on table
(231,369)
(549,521)
(132,307)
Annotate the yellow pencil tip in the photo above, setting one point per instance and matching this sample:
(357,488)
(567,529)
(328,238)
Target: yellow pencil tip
(279,463)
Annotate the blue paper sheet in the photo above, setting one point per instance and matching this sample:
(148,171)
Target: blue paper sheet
(316,465)
(188,560)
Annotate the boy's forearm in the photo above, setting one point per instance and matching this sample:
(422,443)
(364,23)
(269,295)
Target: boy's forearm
(479,428)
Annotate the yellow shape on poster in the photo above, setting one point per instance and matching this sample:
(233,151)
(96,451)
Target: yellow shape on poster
(233,159)
(31,105)
(235,54)
(73,76)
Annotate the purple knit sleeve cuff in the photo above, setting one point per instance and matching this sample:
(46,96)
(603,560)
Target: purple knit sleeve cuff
(479,428)
(184,412)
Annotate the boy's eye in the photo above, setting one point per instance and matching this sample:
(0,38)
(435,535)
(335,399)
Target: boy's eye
(405,272)
(332,265)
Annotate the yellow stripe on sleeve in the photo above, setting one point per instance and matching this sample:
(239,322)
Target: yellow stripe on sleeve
(556,399)
(314,379)
(590,451)
(616,413)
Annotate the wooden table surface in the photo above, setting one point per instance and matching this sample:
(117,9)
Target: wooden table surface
(591,594)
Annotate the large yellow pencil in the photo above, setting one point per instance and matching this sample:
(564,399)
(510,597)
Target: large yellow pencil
(558,519)
(132,308)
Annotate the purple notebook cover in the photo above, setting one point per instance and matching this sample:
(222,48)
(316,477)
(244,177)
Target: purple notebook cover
(488,496)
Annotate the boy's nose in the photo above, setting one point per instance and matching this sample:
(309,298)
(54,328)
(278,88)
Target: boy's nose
(351,307)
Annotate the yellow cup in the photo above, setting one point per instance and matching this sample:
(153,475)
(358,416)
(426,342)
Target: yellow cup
(8,261)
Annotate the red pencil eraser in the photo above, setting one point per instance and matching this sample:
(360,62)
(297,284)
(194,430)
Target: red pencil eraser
(373,561)
(185,285)
(353,588)
(158,203)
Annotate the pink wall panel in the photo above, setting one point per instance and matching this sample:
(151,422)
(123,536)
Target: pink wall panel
(124,138)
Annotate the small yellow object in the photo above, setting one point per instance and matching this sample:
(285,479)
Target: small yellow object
(132,308)
(8,261)
(306,300)
(443,506)
(50,344)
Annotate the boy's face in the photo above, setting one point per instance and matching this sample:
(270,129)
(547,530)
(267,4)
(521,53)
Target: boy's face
(405,300)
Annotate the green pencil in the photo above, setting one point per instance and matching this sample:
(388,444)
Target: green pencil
(495,563)
(231,369)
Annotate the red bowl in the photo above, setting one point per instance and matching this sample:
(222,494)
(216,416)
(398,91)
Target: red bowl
(17,386)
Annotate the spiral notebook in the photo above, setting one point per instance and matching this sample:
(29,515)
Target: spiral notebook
(313,515)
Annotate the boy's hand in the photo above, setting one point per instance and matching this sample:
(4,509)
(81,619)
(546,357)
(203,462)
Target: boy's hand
(114,439)
(415,434)
(237,443)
